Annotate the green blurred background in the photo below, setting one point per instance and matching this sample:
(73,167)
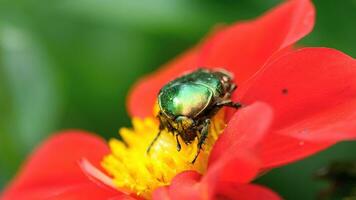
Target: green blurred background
(70,63)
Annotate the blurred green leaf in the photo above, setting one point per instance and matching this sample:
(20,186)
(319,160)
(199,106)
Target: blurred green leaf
(181,18)
(153,16)
(33,104)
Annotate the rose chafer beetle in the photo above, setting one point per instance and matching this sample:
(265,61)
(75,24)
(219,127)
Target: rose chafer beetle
(188,103)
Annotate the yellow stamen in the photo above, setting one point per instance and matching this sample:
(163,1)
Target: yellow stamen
(134,170)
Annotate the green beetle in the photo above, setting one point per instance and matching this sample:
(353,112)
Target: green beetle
(188,103)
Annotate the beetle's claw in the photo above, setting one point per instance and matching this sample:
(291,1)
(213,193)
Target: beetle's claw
(148,150)
(195,158)
(179,147)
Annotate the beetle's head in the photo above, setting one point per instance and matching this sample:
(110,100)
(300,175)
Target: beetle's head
(184,122)
(225,77)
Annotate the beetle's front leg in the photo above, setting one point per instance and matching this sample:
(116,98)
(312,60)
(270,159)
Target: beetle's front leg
(202,138)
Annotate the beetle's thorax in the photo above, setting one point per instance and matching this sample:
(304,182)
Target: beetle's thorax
(185,99)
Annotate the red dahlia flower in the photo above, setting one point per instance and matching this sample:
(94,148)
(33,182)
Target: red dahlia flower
(307,94)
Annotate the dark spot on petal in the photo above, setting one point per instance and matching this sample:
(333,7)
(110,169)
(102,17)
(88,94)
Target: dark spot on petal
(285,91)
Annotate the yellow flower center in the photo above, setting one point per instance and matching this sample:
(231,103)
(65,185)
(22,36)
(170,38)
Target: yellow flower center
(135,170)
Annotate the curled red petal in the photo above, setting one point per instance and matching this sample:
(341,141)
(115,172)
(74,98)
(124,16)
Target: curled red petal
(235,148)
(245,129)
(53,172)
(312,92)
(242,48)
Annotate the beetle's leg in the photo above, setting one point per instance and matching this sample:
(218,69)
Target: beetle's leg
(153,141)
(229,103)
(202,138)
(233,87)
(235,105)
(178,144)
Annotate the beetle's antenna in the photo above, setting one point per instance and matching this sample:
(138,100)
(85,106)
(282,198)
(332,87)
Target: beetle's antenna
(153,141)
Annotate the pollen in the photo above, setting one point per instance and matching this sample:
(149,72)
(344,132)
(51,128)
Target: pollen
(133,169)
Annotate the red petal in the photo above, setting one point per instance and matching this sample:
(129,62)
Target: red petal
(276,149)
(243,49)
(333,124)
(312,92)
(245,129)
(53,171)
(245,192)
(77,191)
